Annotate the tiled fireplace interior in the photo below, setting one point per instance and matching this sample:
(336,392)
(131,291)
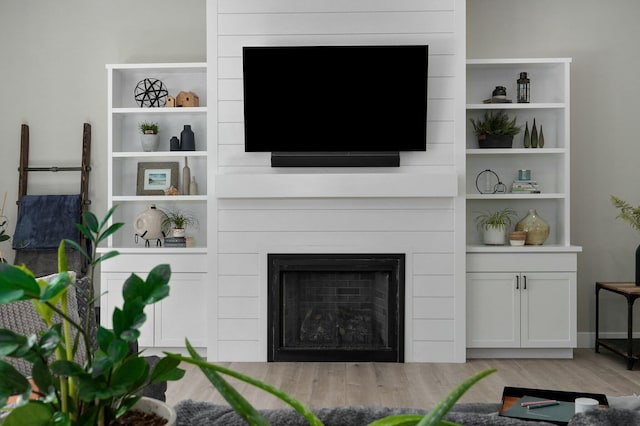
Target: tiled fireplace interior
(336,307)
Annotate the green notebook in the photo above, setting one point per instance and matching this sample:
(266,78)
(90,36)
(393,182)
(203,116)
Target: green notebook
(562,412)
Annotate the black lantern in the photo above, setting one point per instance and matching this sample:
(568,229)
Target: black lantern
(524,89)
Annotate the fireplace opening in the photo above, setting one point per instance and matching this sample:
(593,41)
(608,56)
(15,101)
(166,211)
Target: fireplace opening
(336,307)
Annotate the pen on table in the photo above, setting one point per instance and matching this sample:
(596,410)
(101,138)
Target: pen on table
(548,404)
(542,401)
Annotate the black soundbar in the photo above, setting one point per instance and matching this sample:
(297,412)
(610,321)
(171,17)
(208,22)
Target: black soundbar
(335,159)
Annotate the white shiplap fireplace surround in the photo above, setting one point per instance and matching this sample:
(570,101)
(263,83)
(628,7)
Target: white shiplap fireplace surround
(415,209)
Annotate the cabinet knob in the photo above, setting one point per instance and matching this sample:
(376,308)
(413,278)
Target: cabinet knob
(517,282)
(524,282)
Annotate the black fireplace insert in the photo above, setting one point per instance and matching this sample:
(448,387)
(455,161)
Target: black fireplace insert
(336,307)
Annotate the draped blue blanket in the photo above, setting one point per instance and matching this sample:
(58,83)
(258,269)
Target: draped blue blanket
(44,220)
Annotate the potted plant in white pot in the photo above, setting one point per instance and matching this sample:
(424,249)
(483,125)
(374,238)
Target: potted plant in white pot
(178,221)
(62,389)
(495,130)
(149,136)
(493,225)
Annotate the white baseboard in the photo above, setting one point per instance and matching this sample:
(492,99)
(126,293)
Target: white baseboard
(560,353)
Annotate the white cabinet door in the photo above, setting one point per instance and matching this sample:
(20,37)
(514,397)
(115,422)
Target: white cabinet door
(112,283)
(493,310)
(183,313)
(548,304)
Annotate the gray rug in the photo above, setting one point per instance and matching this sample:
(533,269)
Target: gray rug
(623,412)
(192,413)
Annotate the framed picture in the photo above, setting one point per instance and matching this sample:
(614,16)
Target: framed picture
(154,178)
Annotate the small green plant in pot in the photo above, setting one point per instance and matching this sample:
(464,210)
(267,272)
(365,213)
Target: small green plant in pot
(493,225)
(495,130)
(178,220)
(149,128)
(149,136)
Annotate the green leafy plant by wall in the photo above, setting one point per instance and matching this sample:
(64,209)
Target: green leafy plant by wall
(628,213)
(104,387)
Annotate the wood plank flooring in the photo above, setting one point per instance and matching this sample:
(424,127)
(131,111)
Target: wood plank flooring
(414,385)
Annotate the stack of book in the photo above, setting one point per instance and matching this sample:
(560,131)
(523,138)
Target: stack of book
(175,242)
(525,187)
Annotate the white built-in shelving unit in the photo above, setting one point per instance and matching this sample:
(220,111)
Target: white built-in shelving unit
(550,106)
(125,151)
(184,313)
(521,301)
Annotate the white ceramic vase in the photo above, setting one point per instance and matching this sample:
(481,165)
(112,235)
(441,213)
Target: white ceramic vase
(149,225)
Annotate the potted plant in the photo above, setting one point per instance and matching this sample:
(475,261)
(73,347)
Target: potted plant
(495,130)
(149,136)
(630,214)
(102,388)
(178,220)
(494,225)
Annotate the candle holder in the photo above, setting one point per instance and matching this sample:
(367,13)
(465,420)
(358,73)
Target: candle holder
(524,89)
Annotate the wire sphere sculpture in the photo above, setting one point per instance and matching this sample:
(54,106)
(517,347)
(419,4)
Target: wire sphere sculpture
(489,177)
(151,92)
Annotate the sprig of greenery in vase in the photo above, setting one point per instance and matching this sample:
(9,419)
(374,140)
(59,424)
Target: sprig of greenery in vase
(628,213)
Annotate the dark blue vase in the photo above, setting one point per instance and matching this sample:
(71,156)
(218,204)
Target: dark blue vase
(174,144)
(187,139)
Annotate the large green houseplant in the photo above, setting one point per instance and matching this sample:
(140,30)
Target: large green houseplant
(104,386)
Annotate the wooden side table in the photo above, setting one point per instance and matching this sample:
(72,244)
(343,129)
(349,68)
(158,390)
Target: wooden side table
(629,347)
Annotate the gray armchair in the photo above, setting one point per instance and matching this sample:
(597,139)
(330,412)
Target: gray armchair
(22,318)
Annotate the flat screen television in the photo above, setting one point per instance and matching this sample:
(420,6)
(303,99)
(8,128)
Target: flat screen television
(335,98)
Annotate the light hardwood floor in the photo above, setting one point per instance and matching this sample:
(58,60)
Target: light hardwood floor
(415,385)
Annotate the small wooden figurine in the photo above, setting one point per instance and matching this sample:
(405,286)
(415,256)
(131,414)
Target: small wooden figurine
(187,99)
(171,102)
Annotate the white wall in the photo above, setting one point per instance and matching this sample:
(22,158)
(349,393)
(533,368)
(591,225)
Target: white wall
(602,38)
(53,77)
(423,228)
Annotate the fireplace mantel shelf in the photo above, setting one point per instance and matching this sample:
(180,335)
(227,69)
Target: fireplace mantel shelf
(336,185)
